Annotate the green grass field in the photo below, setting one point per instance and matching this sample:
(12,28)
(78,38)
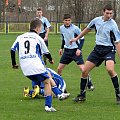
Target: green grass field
(100,104)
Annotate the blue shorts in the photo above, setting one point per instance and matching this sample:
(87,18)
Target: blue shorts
(39,83)
(69,55)
(37,79)
(101,53)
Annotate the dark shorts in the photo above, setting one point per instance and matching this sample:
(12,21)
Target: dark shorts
(39,77)
(69,55)
(101,53)
(42,35)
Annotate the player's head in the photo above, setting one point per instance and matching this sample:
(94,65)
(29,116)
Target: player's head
(67,19)
(107,12)
(39,12)
(35,24)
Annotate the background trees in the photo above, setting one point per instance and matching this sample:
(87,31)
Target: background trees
(81,10)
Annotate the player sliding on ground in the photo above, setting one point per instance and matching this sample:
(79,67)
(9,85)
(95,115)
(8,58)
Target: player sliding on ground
(38,87)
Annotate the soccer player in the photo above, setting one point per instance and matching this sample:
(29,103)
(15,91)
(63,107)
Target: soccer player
(30,47)
(57,79)
(71,52)
(45,28)
(107,37)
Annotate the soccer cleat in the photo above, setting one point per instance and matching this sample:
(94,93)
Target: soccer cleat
(118,99)
(50,109)
(79,98)
(63,96)
(36,91)
(26,92)
(90,88)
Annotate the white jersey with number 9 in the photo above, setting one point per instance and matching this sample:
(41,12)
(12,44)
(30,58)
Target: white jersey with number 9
(30,47)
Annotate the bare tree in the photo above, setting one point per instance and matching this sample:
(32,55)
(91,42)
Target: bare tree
(81,10)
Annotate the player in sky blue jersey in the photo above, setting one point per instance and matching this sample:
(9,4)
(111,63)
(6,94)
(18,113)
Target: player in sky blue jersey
(59,81)
(45,28)
(107,42)
(30,48)
(72,52)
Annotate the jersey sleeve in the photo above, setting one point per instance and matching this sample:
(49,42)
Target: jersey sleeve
(15,45)
(44,48)
(91,25)
(47,23)
(116,33)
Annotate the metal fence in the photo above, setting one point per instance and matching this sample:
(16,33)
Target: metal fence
(7,28)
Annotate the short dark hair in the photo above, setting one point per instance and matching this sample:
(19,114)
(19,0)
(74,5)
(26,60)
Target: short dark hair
(66,16)
(39,9)
(35,23)
(107,7)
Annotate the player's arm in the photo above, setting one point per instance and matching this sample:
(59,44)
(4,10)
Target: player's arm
(48,55)
(14,65)
(46,34)
(62,46)
(84,32)
(48,25)
(79,42)
(118,48)
(45,50)
(80,45)
(115,35)
(12,52)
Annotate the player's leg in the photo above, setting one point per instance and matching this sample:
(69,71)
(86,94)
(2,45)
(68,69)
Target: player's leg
(30,92)
(114,78)
(60,68)
(85,74)
(48,96)
(26,92)
(65,60)
(60,95)
(80,63)
(61,83)
(90,85)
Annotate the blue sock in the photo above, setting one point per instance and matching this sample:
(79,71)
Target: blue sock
(42,92)
(30,93)
(56,91)
(48,101)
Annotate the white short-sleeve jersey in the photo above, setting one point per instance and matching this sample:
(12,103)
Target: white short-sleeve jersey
(30,47)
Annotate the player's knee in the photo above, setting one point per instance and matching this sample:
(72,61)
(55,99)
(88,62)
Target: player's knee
(111,72)
(59,70)
(47,81)
(85,74)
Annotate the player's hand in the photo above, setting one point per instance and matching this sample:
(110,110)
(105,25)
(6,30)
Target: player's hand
(78,52)
(60,52)
(15,66)
(45,38)
(72,40)
(51,62)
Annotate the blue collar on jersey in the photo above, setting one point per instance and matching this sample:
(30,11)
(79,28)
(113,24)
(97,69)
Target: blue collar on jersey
(67,26)
(33,31)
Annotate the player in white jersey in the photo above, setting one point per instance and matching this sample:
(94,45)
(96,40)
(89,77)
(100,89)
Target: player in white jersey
(30,47)
(107,38)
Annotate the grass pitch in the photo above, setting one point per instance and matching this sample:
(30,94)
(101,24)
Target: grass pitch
(100,104)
